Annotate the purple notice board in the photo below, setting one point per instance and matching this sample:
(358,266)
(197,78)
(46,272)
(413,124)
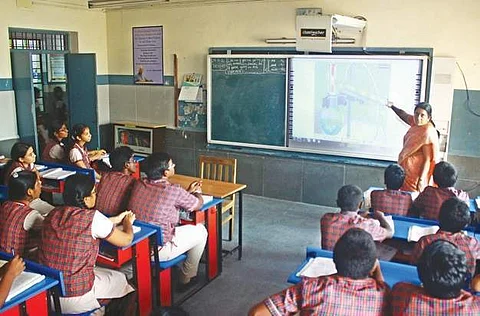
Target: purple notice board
(148,54)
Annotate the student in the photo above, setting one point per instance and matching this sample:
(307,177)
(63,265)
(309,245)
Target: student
(427,204)
(115,186)
(8,273)
(23,158)
(17,219)
(357,288)
(157,201)
(54,151)
(71,237)
(392,200)
(442,269)
(333,225)
(78,153)
(454,216)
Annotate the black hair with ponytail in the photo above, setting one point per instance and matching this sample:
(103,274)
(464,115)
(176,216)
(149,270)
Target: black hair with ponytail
(19,183)
(77,187)
(19,150)
(76,131)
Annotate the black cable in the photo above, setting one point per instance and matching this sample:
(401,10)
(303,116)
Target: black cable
(467,100)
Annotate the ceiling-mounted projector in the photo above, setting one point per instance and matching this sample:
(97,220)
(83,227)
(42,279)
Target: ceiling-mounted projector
(346,21)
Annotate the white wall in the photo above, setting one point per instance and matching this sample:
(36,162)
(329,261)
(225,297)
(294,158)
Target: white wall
(89,24)
(447,26)
(92,38)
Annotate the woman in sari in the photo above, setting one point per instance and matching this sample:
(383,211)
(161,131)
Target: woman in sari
(420,147)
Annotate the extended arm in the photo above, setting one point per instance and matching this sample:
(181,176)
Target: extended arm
(400,113)
(383,223)
(195,188)
(96,154)
(123,238)
(13,269)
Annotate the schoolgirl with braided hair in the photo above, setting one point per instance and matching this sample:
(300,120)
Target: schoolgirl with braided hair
(23,158)
(78,153)
(20,221)
(71,237)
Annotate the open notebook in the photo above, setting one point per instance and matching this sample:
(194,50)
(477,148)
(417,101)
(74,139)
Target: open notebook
(318,266)
(417,232)
(22,282)
(56,174)
(207,198)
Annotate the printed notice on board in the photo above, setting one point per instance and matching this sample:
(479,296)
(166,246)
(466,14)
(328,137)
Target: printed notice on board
(148,54)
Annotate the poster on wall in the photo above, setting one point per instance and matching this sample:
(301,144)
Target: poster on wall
(56,68)
(148,54)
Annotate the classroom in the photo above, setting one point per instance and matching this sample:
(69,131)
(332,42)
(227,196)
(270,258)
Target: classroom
(190,30)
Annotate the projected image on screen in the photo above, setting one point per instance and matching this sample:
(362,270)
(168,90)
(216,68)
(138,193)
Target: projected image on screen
(337,105)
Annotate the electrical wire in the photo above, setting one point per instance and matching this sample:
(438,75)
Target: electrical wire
(467,100)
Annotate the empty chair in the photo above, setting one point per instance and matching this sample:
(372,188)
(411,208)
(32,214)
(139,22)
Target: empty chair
(221,169)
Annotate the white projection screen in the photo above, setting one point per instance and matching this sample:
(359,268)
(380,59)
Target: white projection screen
(336,104)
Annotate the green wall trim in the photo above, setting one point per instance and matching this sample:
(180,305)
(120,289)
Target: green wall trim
(128,80)
(6,84)
(102,80)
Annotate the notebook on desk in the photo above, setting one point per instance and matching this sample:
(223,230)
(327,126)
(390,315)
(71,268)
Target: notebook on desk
(417,232)
(207,199)
(56,174)
(40,167)
(22,282)
(318,266)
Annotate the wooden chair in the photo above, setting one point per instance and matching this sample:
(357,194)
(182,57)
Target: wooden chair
(221,169)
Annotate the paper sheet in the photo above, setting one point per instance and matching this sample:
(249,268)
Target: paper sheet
(317,267)
(417,232)
(22,282)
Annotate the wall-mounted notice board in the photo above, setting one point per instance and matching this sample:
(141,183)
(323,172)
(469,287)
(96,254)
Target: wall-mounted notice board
(247,99)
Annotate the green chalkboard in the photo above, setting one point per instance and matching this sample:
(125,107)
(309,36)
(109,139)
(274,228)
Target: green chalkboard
(248,100)
(465,127)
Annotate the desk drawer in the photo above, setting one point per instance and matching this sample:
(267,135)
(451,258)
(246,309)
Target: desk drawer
(198,217)
(113,257)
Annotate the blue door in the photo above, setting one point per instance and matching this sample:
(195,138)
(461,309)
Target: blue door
(81,72)
(24,97)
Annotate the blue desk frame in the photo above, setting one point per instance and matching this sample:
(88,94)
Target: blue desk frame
(403,224)
(392,272)
(52,283)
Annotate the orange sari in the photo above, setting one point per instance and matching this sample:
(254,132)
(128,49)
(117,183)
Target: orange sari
(412,159)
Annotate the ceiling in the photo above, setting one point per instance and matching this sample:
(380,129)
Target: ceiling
(122,4)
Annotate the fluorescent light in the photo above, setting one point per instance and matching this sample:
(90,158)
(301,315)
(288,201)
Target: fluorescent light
(118,4)
(104,4)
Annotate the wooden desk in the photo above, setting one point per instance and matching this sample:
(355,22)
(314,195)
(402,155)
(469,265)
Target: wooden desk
(139,253)
(392,272)
(218,189)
